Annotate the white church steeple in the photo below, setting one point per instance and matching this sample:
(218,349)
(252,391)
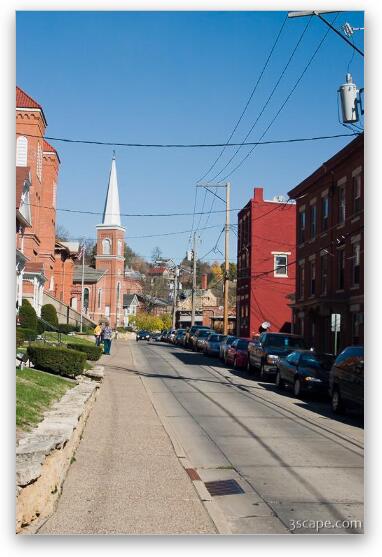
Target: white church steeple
(111,213)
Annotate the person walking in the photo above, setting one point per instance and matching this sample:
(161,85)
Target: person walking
(97,334)
(107,336)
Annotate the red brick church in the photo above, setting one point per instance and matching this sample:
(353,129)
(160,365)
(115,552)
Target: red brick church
(47,270)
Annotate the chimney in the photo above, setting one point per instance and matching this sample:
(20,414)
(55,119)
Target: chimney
(204,281)
(258,194)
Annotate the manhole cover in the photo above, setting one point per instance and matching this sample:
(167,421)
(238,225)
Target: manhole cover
(223,487)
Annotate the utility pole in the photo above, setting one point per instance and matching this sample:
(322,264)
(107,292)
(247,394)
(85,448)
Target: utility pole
(193,294)
(227,187)
(226,263)
(176,274)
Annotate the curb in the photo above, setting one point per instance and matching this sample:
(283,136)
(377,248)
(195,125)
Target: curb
(44,455)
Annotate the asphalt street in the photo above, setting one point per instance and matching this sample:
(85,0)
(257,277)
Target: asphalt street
(297,468)
(298,465)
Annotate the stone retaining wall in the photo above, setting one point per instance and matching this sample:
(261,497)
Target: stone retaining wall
(44,455)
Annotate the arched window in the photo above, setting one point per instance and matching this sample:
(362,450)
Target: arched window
(99,298)
(120,247)
(106,246)
(39,162)
(22,151)
(118,291)
(86,298)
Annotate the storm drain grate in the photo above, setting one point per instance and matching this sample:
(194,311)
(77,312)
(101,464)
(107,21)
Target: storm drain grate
(223,487)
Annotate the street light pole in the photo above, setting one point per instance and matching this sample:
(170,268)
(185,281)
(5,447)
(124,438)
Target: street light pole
(226,262)
(193,292)
(176,274)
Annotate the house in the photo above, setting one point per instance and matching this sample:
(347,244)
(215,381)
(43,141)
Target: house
(330,239)
(130,305)
(265,264)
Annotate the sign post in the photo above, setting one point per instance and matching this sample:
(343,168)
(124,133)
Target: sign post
(336,327)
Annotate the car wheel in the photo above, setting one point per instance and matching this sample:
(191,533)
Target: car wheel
(279,381)
(337,404)
(297,389)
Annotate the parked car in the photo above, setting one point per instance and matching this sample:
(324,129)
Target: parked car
(143,335)
(213,343)
(237,353)
(306,370)
(171,336)
(194,336)
(179,336)
(190,332)
(200,339)
(265,351)
(225,345)
(346,380)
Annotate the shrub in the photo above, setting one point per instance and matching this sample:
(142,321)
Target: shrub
(93,352)
(61,361)
(121,329)
(67,328)
(19,337)
(27,316)
(27,334)
(49,314)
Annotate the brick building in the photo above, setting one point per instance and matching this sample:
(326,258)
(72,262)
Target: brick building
(265,264)
(330,250)
(41,161)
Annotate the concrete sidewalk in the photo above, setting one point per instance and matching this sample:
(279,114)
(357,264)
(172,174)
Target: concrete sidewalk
(126,478)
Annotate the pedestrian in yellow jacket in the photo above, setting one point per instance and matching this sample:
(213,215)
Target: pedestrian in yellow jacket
(97,334)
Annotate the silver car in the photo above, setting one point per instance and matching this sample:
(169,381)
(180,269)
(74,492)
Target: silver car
(224,346)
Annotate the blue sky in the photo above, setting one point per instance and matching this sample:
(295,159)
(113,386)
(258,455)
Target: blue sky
(179,77)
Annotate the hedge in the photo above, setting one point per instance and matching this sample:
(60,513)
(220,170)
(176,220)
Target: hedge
(49,314)
(27,316)
(93,352)
(61,361)
(25,334)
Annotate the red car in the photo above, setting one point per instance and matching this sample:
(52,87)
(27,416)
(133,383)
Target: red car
(237,353)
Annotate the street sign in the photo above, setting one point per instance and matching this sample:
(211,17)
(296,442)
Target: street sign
(336,322)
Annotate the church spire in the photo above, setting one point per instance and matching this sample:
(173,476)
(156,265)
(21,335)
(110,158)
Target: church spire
(111,213)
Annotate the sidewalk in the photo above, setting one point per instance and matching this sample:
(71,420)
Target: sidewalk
(126,478)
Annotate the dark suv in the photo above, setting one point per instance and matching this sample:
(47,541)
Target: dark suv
(346,379)
(190,333)
(264,351)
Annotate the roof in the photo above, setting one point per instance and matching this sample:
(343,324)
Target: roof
(73,247)
(91,275)
(23,100)
(47,148)
(34,267)
(132,274)
(128,299)
(111,212)
(22,175)
(328,165)
(152,300)
(158,271)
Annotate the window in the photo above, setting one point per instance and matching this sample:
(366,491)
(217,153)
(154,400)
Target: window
(324,213)
(313,221)
(107,311)
(341,204)
(357,321)
(120,247)
(301,282)
(39,162)
(280,265)
(357,193)
(301,227)
(99,298)
(312,278)
(324,274)
(22,151)
(106,246)
(355,259)
(341,269)
(118,291)
(86,299)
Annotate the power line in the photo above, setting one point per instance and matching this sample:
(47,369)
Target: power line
(248,101)
(268,99)
(182,145)
(283,104)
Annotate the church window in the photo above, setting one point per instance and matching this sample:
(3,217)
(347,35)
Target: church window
(22,151)
(118,291)
(99,298)
(54,195)
(86,299)
(106,246)
(119,247)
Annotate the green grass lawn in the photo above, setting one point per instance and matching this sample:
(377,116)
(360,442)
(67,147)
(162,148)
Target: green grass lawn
(52,336)
(36,391)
